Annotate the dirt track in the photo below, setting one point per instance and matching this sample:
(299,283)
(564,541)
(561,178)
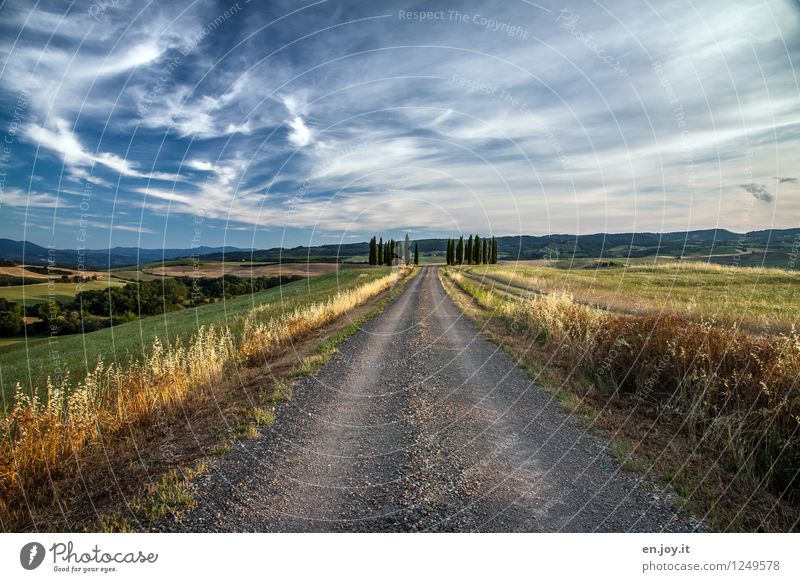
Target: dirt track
(421,424)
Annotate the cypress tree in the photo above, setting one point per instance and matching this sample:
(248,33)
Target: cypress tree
(476,250)
(494,251)
(471,247)
(372,250)
(472,250)
(379,253)
(460,251)
(450,251)
(416,253)
(469,250)
(485,251)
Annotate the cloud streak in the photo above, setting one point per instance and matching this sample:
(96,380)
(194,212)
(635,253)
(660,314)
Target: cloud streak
(759,192)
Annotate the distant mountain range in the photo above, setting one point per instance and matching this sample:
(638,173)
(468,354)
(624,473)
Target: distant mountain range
(30,253)
(554,246)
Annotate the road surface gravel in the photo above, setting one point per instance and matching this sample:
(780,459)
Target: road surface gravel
(420,423)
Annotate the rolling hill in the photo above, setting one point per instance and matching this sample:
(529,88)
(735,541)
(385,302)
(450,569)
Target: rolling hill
(772,245)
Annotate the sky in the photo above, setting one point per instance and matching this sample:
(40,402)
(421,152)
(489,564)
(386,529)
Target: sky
(284,123)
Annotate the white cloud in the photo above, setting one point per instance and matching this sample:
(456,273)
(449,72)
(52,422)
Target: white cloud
(201,165)
(16,197)
(170,195)
(65,143)
(299,134)
(135,228)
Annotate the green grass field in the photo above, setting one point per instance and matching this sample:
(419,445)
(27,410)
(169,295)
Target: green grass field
(761,300)
(134,275)
(30,363)
(423,259)
(64,292)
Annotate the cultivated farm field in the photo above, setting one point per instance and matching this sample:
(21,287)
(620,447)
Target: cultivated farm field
(57,291)
(218,269)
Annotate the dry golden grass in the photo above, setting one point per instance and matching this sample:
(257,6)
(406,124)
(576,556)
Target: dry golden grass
(20,271)
(259,339)
(757,299)
(42,438)
(734,395)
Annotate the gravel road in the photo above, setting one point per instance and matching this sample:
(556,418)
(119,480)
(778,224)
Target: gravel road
(421,424)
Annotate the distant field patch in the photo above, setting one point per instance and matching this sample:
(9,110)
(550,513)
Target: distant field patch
(41,272)
(58,291)
(20,271)
(530,263)
(218,269)
(133,275)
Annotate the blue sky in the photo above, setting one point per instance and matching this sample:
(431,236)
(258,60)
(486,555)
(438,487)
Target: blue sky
(283,123)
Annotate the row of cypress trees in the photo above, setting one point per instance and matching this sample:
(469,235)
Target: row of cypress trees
(381,253)
(474,251)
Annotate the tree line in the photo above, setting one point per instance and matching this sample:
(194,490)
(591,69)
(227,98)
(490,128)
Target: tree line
(474,251)
(96,309)
(381,253)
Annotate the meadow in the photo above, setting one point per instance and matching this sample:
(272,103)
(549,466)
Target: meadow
(659,358)
(30,363)
(56,291)
(757,299)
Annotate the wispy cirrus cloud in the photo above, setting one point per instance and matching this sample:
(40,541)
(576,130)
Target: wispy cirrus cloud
(16,197)
(63,142)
